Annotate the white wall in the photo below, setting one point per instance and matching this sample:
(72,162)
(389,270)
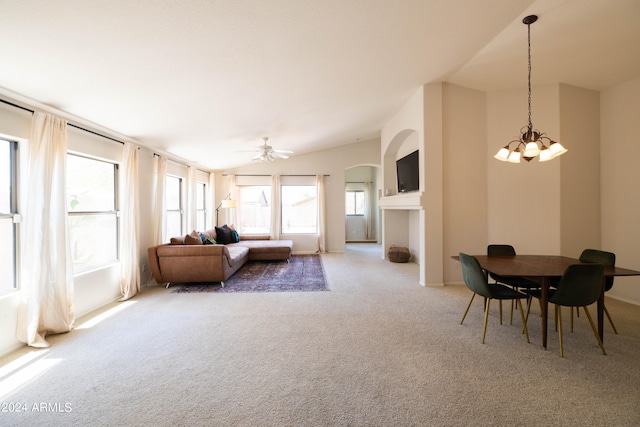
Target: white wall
(620,175)
(332,163)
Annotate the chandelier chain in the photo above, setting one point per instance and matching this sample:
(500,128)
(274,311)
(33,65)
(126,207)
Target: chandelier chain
(529,69)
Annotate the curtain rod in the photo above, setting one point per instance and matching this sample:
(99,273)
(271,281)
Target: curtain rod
(68,124)
(224,174)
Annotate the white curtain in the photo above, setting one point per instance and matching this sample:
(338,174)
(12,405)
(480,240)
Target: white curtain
(191,214)
(159,220)
(210,201)
(129,224)
(275,207)
(46,270)
(368,219)
(322,222)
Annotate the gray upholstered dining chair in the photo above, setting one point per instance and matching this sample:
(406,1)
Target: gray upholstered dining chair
(579,286)
(604,258)
(476,280)
(518,283)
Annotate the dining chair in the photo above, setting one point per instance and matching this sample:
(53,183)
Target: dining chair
(604,258)
(517,283)
(579,286)
(476,280)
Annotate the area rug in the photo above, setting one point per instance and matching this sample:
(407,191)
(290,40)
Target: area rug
(304,273)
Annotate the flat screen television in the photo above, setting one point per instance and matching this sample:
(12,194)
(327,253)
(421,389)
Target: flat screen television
(407,169)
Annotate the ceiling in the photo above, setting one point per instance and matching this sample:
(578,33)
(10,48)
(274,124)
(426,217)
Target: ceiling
(205,80)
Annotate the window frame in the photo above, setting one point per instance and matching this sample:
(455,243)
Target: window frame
(180,209)
(115,212)
(355,202)
(241,204)
(13,214)
(282,210)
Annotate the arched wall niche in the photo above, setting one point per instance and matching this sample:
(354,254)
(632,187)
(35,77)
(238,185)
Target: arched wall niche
(404,142)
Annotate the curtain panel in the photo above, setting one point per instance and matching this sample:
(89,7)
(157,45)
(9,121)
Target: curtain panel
(129,224)
(275,207)
(46,270)
(159,220)
(322,222)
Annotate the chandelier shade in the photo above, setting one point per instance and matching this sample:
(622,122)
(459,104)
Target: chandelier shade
(531,143)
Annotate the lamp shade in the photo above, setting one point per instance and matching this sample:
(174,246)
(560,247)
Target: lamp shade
(226,203)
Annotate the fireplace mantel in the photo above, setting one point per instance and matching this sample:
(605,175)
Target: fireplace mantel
(405,201)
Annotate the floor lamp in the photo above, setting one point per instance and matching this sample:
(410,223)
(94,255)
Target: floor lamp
(226,203)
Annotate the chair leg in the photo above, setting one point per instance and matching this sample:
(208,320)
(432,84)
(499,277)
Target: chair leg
(500,302)
(486,318)
(467,310)
(595,332)
(610,319)
(524,323)
(513,301)
(572,319)
(559,327)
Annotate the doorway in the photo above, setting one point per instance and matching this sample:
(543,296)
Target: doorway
(362,215)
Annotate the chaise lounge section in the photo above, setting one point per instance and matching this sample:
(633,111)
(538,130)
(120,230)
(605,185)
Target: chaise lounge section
(187,263)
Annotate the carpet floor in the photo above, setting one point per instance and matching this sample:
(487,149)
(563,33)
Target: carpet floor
(377,350)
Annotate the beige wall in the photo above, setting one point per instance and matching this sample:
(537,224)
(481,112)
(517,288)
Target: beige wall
(620,176)
(465,171)
(579,170)
(523,199)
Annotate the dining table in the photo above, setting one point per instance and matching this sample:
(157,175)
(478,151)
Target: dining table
(546,270)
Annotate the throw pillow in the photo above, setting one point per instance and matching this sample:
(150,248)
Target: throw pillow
(223,235)
(177,241)
(193,238)
(235,237)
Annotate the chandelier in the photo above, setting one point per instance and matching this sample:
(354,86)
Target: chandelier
(531,143)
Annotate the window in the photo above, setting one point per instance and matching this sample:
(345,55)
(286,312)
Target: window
(174,206)
(201,210)
(299,209)
(93,216)
(254,209)
(8,208)
(354,202)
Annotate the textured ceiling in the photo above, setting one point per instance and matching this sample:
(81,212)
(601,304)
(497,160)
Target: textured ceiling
(205,80)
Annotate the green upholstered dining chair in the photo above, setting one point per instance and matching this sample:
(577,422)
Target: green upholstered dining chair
(514,282)
(604,258)
(476,280)
(579,286)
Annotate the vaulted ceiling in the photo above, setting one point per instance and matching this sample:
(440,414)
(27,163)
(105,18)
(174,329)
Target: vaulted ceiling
(205,80)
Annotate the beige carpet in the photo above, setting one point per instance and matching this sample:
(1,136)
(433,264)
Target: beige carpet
(376,350)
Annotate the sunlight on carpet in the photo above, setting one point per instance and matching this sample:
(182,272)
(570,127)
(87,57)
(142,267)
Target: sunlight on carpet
(304,273)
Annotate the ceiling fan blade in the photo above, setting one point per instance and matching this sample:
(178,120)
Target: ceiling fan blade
(257,156)
(279,155)
(283,151)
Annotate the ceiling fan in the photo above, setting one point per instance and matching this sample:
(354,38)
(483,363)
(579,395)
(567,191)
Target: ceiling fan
(266,153)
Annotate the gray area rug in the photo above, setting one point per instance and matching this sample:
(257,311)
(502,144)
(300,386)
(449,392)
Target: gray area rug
(304,273)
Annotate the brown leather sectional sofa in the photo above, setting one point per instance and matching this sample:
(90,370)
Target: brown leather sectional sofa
(180,263)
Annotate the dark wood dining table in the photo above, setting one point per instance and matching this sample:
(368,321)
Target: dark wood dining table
(545,269)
